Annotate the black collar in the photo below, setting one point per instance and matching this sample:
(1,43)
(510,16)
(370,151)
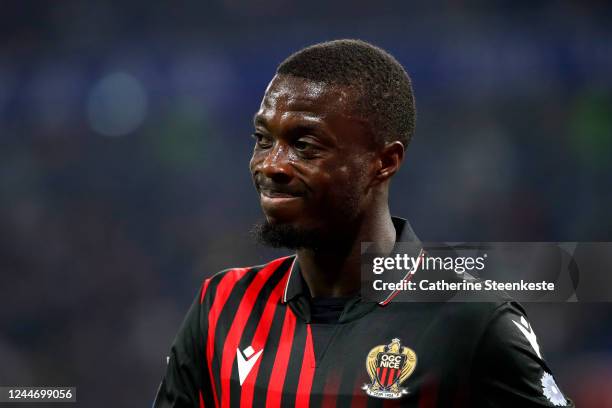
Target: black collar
(296,291)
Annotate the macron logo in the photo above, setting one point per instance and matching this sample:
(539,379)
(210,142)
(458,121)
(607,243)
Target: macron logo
(527,331)
(246,361)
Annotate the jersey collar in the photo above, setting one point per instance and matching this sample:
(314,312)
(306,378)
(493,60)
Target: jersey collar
(296,288)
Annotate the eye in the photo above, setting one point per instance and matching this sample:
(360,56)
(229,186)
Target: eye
(307,147)
(301,145)
(262,141)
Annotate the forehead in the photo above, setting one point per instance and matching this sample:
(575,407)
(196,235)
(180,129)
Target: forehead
(288,94)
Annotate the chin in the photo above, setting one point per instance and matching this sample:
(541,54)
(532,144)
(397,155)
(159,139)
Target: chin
(278,216)
(284,221)
(294,221)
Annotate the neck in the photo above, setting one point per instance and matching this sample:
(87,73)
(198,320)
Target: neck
(338,273)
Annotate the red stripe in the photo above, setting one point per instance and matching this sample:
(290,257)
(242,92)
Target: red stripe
(428,395)
(302,397)
(360,398)
(391,377)
(232,341)
(281,360)
(201,400)
(259,341)
(331,388)
(223,292)
(383,377)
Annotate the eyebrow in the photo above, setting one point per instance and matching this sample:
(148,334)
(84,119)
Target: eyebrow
(323,136)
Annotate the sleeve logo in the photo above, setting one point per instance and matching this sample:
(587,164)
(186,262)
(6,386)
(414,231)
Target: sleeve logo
(529,334)
(388,367)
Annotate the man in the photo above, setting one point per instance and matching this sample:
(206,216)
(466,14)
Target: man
(330,134)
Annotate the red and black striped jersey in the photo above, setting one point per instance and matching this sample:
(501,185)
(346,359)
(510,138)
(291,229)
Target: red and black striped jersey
(249,340)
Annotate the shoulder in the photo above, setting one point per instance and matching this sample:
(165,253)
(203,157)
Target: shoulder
(507,331)
(226,281)
(510,364)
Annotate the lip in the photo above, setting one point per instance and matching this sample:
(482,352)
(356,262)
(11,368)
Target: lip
(277,194)
(275,198)
(274,192)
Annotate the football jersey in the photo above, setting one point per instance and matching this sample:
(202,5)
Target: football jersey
(249,340)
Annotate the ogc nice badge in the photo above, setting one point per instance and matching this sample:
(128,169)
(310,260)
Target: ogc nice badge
(388,367)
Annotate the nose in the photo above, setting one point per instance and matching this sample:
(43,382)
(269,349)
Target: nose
(277,164)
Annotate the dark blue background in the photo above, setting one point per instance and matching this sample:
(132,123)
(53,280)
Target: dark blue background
(124,144)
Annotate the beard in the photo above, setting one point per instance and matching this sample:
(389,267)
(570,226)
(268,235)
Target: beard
(287,236)
(336,237)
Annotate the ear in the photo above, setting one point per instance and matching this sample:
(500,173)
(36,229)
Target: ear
(390,159)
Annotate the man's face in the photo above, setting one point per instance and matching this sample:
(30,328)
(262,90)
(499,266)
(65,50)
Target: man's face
(312,157)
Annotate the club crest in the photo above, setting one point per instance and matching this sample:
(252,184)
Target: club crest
(388,367)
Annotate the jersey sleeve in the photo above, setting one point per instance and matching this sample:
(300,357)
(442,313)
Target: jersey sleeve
(509,369)
(185,382)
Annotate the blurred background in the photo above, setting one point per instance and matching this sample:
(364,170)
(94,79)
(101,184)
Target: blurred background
(125,140)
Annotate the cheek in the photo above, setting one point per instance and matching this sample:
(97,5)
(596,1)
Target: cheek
(341,182)
(350,180)
(354,174)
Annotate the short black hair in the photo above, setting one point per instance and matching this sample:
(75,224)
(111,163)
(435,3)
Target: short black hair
(385,89)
